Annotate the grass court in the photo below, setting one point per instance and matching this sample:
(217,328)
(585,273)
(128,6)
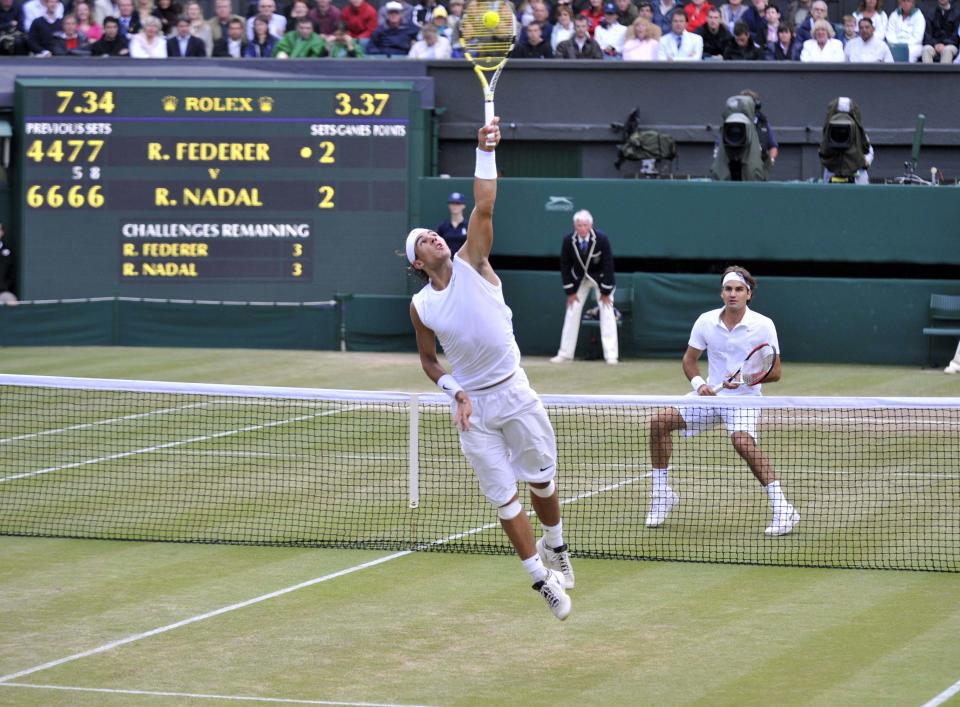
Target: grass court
(94,622)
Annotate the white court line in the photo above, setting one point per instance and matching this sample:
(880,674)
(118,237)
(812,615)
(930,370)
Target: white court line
(159,693)
(280,592)
(169,445)
(109,421)
(944,696)
(200,617)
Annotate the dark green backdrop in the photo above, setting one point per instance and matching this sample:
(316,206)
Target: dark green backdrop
(722,220)
(818,319)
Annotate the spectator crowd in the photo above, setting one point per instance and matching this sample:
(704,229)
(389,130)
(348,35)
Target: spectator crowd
(628,30)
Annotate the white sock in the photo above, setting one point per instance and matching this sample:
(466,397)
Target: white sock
(553,534)
(660,485)
(777,500)
(534,565)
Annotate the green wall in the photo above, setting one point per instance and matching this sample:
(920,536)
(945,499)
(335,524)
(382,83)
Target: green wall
(722,220)
(135,323)
(818,319)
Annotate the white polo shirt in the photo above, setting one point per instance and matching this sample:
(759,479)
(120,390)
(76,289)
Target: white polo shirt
(726,349)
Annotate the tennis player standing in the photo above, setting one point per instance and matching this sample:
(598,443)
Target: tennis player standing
(505,433)
(728,335)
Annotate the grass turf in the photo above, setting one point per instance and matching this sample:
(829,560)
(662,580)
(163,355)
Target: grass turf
(462,629)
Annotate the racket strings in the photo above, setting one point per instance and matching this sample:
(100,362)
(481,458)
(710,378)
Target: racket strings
(757,367)
(485,46)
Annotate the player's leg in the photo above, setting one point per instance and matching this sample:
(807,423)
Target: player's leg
(487,451)
(954,365)
(663,424)
(571,324)
(608,330)
(533,456)
(742,423)
(547,582)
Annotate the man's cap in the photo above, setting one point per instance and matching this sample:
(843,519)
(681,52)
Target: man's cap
(456,198)
(439,11)
(394,6)
(609,8)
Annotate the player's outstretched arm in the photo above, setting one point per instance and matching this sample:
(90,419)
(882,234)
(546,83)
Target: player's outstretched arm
(480,228)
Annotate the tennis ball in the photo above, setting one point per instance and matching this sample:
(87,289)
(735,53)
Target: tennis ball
(491,19)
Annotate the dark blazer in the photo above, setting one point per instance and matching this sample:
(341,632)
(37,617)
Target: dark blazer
(734,52)
(104,47)
(524,50)
(195,47)
(776,53)
(942,26)
(598,261)
(43,34)
(715,44)
(133,27)
(220,47)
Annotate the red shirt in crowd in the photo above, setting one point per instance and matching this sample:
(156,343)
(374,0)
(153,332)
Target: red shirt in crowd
(360,20)
(595,18)
(696,16)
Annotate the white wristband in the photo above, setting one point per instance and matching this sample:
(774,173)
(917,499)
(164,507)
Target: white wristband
(486,165)
(448,384)
(697,383)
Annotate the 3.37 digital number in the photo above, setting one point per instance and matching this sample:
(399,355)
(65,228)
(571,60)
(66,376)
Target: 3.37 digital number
(55,197)
(364,104)
(85,102)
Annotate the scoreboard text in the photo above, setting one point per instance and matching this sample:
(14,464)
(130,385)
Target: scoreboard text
(218,190)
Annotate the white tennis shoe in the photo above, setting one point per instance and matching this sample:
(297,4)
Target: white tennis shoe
(783,522)
(552,591)
(660,506)
(557,558)
(952,367)
(560,359)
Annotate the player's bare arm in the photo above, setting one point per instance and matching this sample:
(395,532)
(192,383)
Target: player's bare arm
(476,250)
(427,348)
(691,369)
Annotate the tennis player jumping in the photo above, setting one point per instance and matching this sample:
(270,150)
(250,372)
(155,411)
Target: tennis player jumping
(505,433)
(728,335)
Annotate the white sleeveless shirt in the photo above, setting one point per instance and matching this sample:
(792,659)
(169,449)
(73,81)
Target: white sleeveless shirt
(474,326)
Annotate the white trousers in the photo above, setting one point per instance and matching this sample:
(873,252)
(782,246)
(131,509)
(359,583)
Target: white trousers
(571,324)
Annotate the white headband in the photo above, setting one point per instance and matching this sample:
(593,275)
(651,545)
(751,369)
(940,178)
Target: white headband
(412,243)
(734,275)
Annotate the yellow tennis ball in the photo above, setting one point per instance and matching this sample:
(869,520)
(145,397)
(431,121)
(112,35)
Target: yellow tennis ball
(491,19)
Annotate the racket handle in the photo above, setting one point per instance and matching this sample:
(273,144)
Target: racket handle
(488,118)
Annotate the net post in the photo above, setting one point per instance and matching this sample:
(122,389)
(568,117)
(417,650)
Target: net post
(414,451)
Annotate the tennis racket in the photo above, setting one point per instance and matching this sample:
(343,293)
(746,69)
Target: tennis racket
(755,367)
(488,30)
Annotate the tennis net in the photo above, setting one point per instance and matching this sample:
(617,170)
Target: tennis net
(876,481)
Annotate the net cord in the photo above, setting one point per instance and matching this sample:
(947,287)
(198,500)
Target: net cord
(362,396)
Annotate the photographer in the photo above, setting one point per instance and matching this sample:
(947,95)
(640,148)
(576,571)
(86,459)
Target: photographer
(738,155)
(845,150)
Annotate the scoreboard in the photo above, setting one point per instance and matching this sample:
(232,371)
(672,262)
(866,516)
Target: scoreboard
(223,190)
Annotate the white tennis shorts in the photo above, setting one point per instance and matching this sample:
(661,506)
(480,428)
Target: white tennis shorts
(735,419)
(510,439)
